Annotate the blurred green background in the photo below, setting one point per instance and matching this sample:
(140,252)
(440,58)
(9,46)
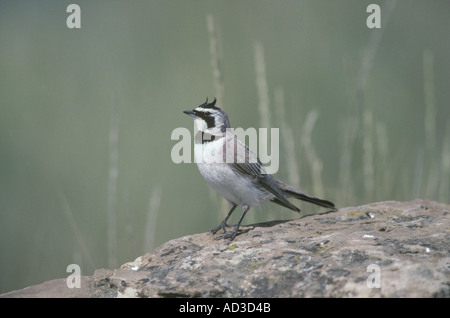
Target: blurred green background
(86,116)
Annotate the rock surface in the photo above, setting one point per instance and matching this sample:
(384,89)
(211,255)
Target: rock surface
(401,247)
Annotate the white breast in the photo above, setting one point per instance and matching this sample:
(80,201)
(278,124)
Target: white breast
(219,175)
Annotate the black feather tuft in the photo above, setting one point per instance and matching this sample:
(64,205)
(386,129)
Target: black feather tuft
(209,105)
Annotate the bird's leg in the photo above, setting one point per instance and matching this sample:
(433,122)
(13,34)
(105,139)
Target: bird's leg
(224,222)
(231,235)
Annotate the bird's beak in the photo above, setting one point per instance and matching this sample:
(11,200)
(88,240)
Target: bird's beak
(190,113)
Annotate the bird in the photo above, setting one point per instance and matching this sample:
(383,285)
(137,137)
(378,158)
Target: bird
(234,171)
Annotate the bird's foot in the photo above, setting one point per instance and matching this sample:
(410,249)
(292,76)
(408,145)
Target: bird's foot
(232,234)
(229,235)
(222,226)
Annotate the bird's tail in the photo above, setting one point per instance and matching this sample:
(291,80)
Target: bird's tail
(290,191)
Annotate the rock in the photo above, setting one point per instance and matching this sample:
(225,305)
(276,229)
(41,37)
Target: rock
(385,249)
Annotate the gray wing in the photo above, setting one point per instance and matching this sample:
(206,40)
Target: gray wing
(247,164)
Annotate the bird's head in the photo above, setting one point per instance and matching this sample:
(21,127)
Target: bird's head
(210,118)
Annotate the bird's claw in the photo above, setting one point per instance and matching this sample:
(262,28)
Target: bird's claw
(221,226)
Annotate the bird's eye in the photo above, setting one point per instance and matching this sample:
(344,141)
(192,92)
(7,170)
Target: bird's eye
(202,113)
